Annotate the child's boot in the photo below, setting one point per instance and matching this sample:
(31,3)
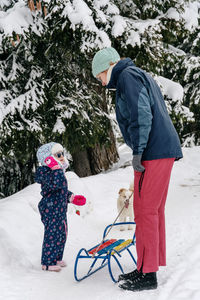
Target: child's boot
(61,263)
(54,268)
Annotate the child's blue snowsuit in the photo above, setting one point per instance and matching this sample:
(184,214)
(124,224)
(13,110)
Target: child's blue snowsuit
(53,209)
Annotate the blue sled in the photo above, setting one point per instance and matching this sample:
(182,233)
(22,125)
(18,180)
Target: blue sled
(105,255)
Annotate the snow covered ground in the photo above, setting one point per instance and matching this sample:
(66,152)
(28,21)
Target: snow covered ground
(21,233)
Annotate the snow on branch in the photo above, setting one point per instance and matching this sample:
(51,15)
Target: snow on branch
(173,90)
(16,19)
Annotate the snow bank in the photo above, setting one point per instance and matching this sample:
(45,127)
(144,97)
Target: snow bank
(20,225)
(21,234)
(20,228)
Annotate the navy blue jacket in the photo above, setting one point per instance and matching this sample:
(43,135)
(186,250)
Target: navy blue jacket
(142,114)
(55,193)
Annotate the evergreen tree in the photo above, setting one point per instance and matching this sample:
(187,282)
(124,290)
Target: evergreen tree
(21,94)
(155,31)
(50,97)
(47,90)
(191,82)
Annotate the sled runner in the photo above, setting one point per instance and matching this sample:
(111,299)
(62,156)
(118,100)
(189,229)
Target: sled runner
(106,253)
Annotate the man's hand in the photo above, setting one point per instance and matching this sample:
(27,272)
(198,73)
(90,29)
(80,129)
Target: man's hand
(136,162)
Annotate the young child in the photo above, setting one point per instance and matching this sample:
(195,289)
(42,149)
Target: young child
(53,205)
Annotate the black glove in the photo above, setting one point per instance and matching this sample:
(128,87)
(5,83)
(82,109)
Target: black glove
(136,162)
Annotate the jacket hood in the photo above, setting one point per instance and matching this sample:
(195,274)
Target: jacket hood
(116,71)
(48,150)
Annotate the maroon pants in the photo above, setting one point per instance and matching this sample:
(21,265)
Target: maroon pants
(150,193)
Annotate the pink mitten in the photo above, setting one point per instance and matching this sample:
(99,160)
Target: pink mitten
(79,200)
(52,163)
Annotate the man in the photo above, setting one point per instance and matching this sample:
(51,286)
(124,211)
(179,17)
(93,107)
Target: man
(148,130)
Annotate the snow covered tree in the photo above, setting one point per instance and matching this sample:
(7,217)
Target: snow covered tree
(47,90)
(47,94)
(21,93)
(192,92)
(191,73)
(156,41)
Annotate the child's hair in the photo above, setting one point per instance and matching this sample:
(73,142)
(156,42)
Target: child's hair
(47,150)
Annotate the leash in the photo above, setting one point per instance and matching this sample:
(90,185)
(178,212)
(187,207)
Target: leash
(126,202)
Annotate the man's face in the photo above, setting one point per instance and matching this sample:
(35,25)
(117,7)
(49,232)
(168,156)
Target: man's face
(102,77)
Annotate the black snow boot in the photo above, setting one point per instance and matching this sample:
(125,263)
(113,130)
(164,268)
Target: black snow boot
(130,275)
(142,282)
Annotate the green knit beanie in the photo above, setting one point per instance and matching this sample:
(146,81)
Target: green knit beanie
(102,60)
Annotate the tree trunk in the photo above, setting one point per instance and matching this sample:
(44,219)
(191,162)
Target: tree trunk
(81,163)
(103,156)
(100,157)
(94,160)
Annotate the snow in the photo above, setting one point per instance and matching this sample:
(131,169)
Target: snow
(173,14)
(19,17)
(137,29)
(19,102)
(134,38)
(119,26)
(172,89)
(80,14)
(192,9)
(59,126)
(174,92)
(16,19)
(190,15)
(21,232)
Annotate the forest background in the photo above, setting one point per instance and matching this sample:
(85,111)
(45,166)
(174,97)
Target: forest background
(47,92)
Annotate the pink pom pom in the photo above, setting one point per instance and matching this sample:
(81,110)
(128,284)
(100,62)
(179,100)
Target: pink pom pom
(79,200)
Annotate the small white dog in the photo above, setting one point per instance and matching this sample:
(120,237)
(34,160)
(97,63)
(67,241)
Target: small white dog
(127,212)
